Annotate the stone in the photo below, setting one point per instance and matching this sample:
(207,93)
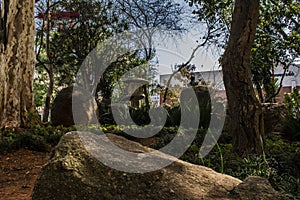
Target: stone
(256,188)
(73,173)
(85,104)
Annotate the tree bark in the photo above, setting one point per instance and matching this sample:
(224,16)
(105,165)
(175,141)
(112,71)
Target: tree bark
(244,109)
(17,61)
(49,67)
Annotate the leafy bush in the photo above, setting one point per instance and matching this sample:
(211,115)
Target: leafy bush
(174,116)
(140,115)
(38,138)
(292,102)
(292,123)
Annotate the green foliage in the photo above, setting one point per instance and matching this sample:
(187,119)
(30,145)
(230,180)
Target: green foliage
(292,123)
(216,16)
(285,165)
(292,102)
(291,128)
(71,40)
(174,116)
(116,70)
(70,43)
(277,32)
(277,36)
(141,116)
(37,138)
(165,137)
(280,164)
(40,89)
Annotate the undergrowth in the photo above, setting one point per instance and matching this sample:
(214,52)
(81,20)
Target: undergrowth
(37,138)
(280,163)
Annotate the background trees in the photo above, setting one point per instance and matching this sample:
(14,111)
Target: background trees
(63,43)
(16,62)
(272,45)
(152,18)
(71,40)
(275,42)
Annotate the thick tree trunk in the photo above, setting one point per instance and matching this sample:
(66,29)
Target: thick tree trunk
(17,62)
(244,110)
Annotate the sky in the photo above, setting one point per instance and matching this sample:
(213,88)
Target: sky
(178,48)
(180,51)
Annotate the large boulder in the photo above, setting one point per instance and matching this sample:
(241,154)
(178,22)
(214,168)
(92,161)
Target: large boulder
(78,98)
(73,173)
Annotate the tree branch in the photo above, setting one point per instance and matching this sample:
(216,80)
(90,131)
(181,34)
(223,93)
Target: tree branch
(184,65)
(280,84)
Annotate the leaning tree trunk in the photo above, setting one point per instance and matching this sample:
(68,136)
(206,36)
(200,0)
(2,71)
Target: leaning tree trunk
(244,110)
(17,62)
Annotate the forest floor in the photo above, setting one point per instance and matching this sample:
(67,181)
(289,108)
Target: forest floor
(18,173)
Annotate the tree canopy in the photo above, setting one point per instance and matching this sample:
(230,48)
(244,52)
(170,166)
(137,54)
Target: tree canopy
(276,38)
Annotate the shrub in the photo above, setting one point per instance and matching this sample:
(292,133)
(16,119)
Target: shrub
(292,123)
(292,102)
(37,138)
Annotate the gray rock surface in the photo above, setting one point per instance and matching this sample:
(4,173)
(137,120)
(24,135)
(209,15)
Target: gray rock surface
(83,102)
(74,174)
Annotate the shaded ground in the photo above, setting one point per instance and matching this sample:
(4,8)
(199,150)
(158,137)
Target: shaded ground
(18,173)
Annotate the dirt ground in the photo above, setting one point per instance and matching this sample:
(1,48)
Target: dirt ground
(18,173)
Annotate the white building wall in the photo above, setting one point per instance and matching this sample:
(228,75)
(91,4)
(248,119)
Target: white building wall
(292,76)
(212,77)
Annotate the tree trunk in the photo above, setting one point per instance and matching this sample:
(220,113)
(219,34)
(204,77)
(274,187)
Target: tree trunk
(49,95)
(17,61)
(244,110)
(49,69)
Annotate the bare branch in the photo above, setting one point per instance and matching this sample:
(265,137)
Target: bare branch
(185,64)
(280,84)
